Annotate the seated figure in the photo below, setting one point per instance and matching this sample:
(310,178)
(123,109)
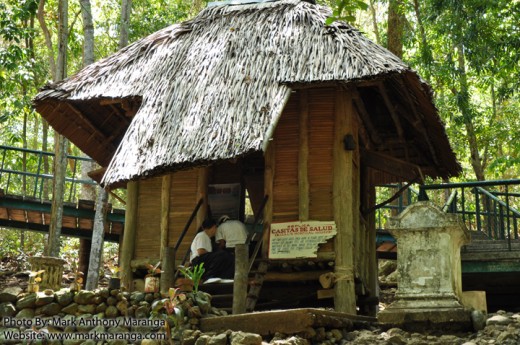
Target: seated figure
(230,233)
(217,264)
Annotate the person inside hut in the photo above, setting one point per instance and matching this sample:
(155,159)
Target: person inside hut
(230,232)
(217,264)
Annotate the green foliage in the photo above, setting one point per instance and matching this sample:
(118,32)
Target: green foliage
(174,312)
(12,248)
(486,31)
(345,10)
(18,65)
(194,273)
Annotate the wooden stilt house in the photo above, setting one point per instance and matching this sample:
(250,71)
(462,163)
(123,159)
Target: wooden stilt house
(264,96)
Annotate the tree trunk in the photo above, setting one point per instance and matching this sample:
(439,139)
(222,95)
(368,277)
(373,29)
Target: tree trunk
(374,22)
(88,32)
(87,192)
(395,27)
(126,10)
(48,38)
(96,253)
(424,48)
(45,148)
(58,191)
(464,106)
(61,143)
(52,63)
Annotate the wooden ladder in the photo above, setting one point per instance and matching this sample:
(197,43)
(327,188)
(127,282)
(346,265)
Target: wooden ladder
(255,285)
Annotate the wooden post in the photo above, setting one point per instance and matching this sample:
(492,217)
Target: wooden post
(128,247)
(202,193)
(303,157)
(372,255)
(268,190)
(85,246)
(240,281)
(345,213)
(165,213)
(168,268)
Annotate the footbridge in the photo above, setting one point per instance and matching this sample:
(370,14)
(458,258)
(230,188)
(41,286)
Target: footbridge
(25,192)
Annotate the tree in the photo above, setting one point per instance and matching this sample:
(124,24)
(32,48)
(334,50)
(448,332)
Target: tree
(466,50)
(61,143)
(126,10)
(395,29)
(98,232)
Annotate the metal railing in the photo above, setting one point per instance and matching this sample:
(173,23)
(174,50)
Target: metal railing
(491,207)
(30,179)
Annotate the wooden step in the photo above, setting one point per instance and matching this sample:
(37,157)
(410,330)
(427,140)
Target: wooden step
(285,321)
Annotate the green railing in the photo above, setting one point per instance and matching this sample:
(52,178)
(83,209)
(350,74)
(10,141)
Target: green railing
(32,181)
(491,207)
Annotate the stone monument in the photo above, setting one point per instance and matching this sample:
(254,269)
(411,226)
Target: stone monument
(53,267)
(429,289)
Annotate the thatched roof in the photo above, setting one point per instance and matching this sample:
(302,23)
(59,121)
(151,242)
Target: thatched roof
(213,88)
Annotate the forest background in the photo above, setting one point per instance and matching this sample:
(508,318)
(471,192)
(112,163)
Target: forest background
(467,50)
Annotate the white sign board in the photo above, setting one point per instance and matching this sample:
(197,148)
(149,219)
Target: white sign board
(293,240)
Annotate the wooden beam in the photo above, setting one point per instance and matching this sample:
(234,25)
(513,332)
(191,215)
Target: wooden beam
(365,117)
(303,157)
(369,191)
(240,279)
(344,204)
(420,119)
(326,293)
(274,276)
(89,123)
(165,212)
(393,113)
(284,321)
(269,162)
(316,85)
(391,165)
(130,107)
(109,101)
(129,235)
(202,191)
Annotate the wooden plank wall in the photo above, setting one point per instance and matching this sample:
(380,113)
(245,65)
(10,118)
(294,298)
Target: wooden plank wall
(318,104)
(148,232)
(321,127)
(183,197)
(312,113)
(285,186)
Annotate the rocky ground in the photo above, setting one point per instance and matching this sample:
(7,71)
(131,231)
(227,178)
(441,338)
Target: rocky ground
(501,327)
(63,306)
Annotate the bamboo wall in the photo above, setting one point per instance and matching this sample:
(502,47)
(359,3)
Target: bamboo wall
(285,184)
(311,171)
(320,164)
(318,104)
(148,232)
(182,199)
(184,196)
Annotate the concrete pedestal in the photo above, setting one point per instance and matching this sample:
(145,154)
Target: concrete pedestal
(51,278)
(428,261)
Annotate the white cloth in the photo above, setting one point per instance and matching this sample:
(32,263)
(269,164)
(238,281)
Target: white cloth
(233,232)
(201,241)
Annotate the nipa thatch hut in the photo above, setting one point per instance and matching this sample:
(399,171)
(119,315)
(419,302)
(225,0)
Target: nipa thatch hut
(264,96)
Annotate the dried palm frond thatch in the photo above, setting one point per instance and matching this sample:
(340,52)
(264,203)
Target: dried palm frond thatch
(214,87)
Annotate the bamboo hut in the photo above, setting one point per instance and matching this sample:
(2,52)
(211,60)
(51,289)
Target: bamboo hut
(263,95)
